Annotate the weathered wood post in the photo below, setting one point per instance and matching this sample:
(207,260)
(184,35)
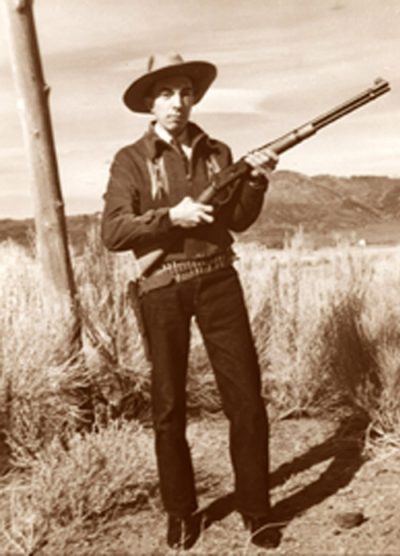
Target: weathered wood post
(32,103)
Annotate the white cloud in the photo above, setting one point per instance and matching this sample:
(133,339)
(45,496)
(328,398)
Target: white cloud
(226,101)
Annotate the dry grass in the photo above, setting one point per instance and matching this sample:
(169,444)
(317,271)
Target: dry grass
(78,485)
(327,328)
(325,324)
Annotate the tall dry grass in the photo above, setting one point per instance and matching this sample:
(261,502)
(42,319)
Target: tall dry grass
(67,490)
(327,329)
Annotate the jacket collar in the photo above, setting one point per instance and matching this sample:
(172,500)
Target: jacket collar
(155,145)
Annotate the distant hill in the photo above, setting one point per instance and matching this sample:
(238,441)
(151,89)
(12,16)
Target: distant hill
(22,231)
(327,208)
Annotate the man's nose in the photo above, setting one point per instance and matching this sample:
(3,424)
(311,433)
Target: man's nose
(177,100)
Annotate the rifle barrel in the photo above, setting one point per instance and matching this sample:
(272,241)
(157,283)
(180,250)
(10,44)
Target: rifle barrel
(379,88)
(294,137)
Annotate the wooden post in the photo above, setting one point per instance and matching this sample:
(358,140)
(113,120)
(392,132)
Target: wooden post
(32,103)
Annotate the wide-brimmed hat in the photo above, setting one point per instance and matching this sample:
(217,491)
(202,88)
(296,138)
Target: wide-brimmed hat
(202,74)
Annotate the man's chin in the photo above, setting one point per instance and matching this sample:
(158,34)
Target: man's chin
(176,127)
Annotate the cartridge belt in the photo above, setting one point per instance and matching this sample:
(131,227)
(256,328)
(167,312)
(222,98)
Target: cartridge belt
(183,270)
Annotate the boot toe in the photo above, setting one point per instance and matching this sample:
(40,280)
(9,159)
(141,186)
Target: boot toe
(264,532)
(183,532)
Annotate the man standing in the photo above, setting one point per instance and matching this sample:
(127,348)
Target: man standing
(150,203)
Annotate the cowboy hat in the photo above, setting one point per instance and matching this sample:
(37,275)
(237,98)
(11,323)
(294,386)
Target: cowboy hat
(202,74)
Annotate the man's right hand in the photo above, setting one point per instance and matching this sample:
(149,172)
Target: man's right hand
(189,213)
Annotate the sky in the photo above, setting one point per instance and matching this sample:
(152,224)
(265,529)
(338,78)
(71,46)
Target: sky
(280,63)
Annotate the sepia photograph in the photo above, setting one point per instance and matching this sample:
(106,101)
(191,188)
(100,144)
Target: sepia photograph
(199,277)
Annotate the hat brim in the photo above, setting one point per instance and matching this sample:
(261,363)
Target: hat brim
(202,74)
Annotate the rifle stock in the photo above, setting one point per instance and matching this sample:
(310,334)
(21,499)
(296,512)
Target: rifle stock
(148,261)
(279,145)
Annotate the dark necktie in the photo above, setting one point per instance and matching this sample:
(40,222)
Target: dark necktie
(182,154)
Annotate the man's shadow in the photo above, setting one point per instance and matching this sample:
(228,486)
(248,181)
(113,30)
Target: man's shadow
(344,447)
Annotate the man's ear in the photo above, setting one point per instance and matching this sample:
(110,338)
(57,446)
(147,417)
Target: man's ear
(149,103)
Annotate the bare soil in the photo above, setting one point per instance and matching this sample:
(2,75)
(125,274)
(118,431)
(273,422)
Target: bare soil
(328,498)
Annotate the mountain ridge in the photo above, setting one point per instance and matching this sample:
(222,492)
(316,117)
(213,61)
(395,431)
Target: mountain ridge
(323,206)
(326,206)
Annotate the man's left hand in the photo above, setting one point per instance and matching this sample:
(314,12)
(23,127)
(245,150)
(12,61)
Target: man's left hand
(263,162)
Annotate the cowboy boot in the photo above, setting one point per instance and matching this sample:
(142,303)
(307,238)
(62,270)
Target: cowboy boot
(264,533)
(183,532)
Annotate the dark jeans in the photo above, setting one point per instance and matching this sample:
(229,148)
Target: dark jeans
(216,301)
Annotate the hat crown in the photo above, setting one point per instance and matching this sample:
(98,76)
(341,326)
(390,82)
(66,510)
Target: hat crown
(159,61)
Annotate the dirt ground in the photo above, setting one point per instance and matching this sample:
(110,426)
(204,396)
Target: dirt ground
(328,497)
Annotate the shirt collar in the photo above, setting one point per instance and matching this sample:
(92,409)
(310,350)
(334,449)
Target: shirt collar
(163,133)
(157,138)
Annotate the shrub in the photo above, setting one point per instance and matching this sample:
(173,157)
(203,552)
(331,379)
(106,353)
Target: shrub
(78,486)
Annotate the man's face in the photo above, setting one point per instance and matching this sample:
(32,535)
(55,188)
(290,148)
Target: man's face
(171,101)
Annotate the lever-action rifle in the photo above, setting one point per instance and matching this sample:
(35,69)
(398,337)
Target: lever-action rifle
(226,177)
